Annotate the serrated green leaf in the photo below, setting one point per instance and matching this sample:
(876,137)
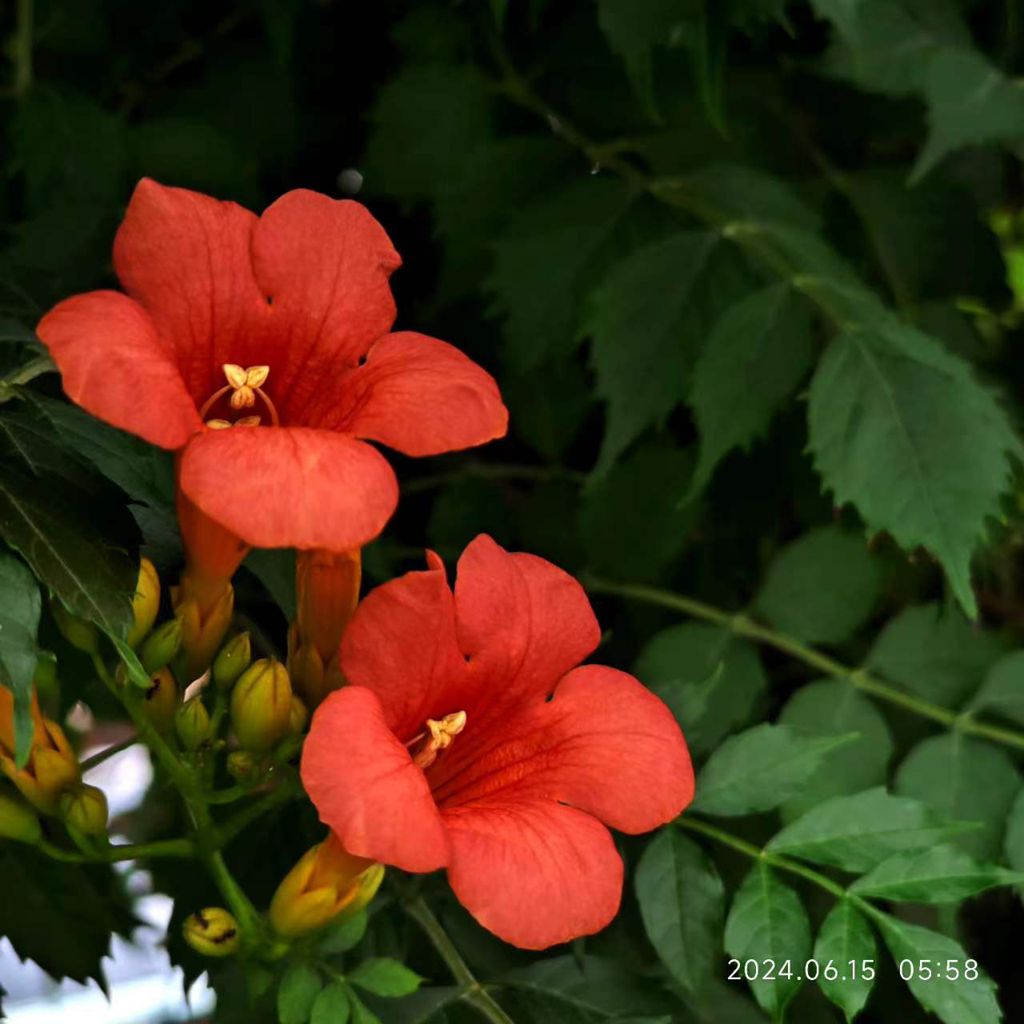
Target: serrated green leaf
(346,935)
(749,365)
(940,874)
(963,780)
(935,652)
(20,608)
(952,1000)
(682,904)
(858,832)
(832,707)
(385,977)
(846,936)
(640,343)
(639,495)
(822,587)
(902,430)
(767,921)
(710,678)
(1003,688)
(546,261)
(299,989)
(759,769)
(333,1005)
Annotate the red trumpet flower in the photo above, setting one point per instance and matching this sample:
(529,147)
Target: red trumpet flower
(468,739)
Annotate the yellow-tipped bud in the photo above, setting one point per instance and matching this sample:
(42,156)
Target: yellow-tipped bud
(78,632)
(145,603)
(161,646)
(201,635)
(326,884)
(297,717)
(18,821)
(243,767)
(160,701)
(232,660)
(85,811)
(306,668)
(212,932)
(192,723)
(261,705)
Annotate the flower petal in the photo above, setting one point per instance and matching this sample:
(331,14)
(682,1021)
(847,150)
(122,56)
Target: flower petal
(187,259)
(290,486)
(366,788)
(534,873)
(401,644)
(418,395)
(521,620)
(325,265)
(114,366)
(604,744)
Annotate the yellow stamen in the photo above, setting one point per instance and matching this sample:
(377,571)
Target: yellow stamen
(248,421)
(246,385)
(439,736)
(218,424)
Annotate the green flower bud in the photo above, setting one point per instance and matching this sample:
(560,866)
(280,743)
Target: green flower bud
(192,723)
(18,821)
(212,932)
(232,661)
(297,717)
(79,633)
(160,701)
(145,603)
(85,811)
(261,705)
(242,766)
(161,646)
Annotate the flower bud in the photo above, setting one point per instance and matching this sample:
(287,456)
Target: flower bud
(145,603)
(306,668)
(85,811)
(192,723)
(232,660)
(326,884)
(212,932)
(297,717)
(78,632)
(18,821)
(160,701)
(161,646)
(261,705)
(243,767)
(202,633)
(45,675)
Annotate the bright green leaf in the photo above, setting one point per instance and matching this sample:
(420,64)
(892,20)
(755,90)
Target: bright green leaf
(299,989)
(767,921)
(749,365)
(332,1005)
(901,429)
(710,678)
(845,936)
(641,345)
(340,938)
(963,780)
(939,874)
(858,832)
(759,769)
(832,707)
(385,977)
(954,1000)
(682,904)
(20,608)
(822,587)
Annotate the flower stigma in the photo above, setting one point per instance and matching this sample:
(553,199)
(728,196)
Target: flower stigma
(439,736)
(245,383)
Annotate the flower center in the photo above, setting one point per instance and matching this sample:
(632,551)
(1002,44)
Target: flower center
(439,735)
(245,385)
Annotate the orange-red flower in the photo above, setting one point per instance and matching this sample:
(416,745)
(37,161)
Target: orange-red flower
(469,739)
(260,347)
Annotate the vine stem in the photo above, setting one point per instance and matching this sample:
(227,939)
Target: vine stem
(473,992)
(181,848)
(743,625)
(108,752)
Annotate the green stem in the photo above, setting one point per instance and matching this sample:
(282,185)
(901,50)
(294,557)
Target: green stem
(233,826)
(742,625)
(135,851)
(23,48)
(108,752)
(473,992)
